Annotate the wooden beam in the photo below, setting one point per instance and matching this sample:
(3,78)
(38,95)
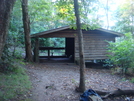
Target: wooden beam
(36,50)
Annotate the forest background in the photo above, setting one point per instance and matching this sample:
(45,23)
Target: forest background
(45,15)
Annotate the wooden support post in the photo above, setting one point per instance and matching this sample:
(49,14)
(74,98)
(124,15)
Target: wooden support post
(48,54)
(36,50)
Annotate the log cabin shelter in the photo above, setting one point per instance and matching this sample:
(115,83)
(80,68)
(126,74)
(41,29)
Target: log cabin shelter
(95,43)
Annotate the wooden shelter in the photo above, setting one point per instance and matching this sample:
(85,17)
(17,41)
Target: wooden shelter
(95,42)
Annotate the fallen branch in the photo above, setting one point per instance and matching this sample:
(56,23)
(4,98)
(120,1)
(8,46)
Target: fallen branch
(115,93)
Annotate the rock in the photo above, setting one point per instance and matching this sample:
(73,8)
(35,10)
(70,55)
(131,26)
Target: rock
(30,94)
(68,97)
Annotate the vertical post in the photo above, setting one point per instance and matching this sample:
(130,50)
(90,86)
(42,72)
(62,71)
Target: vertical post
(36,50)
(48,54)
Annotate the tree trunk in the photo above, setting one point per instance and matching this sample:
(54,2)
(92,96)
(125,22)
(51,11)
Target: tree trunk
(132,17)
(107,15)
(5,11)
(26,25)
(81,50)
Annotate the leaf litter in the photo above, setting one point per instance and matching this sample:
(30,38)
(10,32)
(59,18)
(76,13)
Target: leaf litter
(57,82)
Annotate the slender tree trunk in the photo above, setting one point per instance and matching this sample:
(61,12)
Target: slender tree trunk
(26,24)
(5,11)
(132,17)
(132,26)
(81,50)
(107,15)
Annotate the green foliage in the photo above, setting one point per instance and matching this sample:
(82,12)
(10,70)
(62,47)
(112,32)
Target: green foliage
(39,12)
(132,80)
(43,16)
(123,79)
(14,84)
(122,52)
(125,17)
(44,42)
(52,42)
(57,42)
(51,14)
(74,82)
(6,62)
(108,63)
(88,13)
(65,10)
(14,41)
(16,36)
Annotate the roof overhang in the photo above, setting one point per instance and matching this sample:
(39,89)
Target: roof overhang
(50,31)
(110,31)
(67,27)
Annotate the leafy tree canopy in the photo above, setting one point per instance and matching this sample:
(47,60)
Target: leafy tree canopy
(125,17)
(88,13)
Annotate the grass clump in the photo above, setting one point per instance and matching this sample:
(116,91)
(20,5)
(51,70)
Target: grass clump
(13,85)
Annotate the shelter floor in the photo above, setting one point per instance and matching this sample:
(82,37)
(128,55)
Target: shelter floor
(56,60)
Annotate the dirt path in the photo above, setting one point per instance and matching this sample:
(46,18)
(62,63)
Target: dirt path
(57,82)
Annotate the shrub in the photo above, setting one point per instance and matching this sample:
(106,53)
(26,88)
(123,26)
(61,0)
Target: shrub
(122,52)
(7,61)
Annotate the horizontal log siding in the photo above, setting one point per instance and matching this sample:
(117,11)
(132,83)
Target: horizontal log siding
(94,42)
(94,46)
(66,33)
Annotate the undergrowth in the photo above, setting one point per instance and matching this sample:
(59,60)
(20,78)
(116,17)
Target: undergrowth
(132,80)
(14,85)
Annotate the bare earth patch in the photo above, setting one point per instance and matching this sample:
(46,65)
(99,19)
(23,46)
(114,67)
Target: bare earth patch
(57,82)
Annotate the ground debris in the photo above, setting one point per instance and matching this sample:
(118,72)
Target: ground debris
(58,82)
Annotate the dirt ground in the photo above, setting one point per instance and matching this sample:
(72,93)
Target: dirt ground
(57,82)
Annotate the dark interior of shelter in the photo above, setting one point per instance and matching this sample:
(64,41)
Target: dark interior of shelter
(58,54)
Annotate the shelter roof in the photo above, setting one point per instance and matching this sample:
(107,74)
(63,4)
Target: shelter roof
(67,27)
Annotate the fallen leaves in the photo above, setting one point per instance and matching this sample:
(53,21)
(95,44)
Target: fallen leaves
(57,82)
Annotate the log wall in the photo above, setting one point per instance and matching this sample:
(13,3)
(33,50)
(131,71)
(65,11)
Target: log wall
(94,45)
(94,42)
